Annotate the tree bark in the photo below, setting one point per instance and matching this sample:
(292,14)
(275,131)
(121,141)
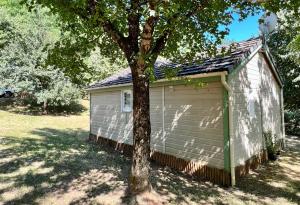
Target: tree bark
(140,170)
(45,107)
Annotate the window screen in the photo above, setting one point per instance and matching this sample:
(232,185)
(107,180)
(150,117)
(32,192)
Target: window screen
(127,101)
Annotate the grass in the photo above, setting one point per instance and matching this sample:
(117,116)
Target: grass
(47,160)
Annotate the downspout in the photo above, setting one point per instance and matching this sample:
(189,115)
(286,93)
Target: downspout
(231,150)
(163,118)
(90,115)
(282,117)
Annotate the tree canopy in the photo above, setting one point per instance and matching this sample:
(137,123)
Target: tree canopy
(26,41)
(196,25)
(285,47)
(141,30)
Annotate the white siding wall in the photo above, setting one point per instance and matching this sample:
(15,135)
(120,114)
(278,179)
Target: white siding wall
(254,96)
(107,120)
(271,102)
(156,117)
(193,121)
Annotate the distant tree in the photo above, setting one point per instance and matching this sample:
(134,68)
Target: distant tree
(284,45)
(291,26)
(81,67)
(102,67)
(140,31)
(25,41)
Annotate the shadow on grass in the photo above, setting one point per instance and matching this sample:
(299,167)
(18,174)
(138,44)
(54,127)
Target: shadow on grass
(276,179)
(62,162)
(62,167)
(53,162)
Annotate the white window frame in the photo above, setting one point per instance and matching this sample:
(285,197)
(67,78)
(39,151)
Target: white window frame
(123,108)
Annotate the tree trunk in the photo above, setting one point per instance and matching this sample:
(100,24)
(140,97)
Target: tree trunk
(45,107)
(140,169)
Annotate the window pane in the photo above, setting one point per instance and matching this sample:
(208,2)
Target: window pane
(127,98)
(127,101)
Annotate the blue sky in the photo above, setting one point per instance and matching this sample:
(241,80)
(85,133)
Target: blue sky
(245,29)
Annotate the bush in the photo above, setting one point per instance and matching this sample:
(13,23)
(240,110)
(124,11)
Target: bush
(292,122)
(59,94)
(272,144)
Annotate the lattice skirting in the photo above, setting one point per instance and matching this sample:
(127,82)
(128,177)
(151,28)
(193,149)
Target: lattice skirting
(251,164)
(197,170)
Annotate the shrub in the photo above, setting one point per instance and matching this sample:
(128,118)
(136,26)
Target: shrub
(272,145)
(292,122)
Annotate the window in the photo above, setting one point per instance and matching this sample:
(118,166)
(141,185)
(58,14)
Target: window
(126,101)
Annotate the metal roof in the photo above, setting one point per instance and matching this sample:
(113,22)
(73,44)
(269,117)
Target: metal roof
(228,62)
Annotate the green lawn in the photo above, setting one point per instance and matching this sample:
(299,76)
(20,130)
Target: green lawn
(46,160)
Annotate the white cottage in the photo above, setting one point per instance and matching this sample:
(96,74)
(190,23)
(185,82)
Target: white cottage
(214,131)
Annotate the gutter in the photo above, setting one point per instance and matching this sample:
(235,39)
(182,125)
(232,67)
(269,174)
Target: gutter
(265,51)
(163,118)
(245,61)
(201,75)
(230,116)
(111,86)
(231,144)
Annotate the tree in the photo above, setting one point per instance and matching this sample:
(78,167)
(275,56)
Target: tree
(284,45)
(25,41)
(140,31)
(81,67)
(288,65)
(291,25)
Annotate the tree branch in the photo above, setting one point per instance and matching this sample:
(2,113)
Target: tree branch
(148,29)
(117,36)
(147,35)
(161,42)
(108,26)
(134,25)
(171,22)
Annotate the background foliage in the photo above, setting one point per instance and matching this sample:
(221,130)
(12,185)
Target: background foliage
(284,44)
(26,39)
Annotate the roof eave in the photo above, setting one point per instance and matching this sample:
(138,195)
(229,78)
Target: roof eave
(106,87)
(245,60)
(200,75)
(267,53)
